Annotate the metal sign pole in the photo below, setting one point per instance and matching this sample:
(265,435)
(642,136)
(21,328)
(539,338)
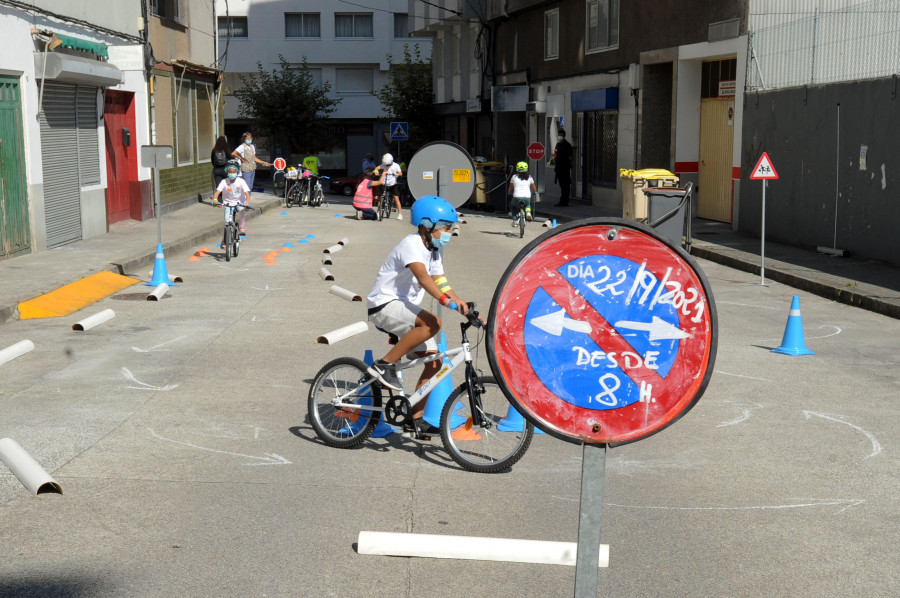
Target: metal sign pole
(158,200)
(593,472)
(762,247)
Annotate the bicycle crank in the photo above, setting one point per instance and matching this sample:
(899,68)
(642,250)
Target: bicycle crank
(398,411)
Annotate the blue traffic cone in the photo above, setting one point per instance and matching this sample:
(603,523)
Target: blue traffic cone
(792,343)
(160,273)
(554,223)
(383,428)
(439,396)
(514,422)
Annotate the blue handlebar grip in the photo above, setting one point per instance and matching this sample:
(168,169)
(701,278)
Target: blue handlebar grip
(452,306)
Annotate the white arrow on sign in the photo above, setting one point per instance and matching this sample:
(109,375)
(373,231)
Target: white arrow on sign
(555,322)
(658,328)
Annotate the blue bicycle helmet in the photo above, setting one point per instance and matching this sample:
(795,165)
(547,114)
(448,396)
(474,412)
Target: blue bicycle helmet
(434,209)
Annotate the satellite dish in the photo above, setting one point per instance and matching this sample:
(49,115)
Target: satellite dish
(442,168)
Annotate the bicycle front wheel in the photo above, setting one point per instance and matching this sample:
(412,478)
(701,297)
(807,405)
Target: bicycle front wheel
(229,241)
(341,380)
(497,442)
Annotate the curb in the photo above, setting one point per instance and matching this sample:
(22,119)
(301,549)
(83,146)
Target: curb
(828,291)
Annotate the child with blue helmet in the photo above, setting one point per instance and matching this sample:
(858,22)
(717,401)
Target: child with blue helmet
(413,268)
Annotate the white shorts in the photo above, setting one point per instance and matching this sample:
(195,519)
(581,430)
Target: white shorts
(398,318)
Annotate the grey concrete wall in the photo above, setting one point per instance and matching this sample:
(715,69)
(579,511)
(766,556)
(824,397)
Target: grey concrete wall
(821,164)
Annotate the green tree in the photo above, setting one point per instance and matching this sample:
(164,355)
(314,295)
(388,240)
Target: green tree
(408,96)
(287,105)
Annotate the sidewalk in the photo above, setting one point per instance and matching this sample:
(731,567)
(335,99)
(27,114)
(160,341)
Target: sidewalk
(130,248)
(871,285)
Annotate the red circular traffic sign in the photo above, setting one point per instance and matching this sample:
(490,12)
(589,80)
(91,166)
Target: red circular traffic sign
(535,151)
(601,331)
(279,163)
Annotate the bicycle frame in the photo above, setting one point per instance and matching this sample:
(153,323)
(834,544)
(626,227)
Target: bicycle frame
(459,355)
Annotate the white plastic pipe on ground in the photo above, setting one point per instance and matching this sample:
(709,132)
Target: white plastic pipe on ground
(158,292)
(344,293)
(326,260)
(91,321)
(325,274)
(344,241)
(329,338)
(24,467)
(333,249)
(471,548)
(17,350)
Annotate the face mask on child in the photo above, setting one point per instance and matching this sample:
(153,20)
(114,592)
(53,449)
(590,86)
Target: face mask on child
(560,138)
(442,240)
(232,175)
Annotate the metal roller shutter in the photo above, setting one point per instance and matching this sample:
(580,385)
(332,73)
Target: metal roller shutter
(70,156)
(88,137)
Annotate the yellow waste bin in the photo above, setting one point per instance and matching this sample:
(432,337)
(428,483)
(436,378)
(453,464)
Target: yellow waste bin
(487,175)
(634,201)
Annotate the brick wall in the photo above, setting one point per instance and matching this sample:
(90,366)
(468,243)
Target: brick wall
(185,182)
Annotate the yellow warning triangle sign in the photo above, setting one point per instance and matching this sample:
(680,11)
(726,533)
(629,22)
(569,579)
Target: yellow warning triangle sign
(764,169)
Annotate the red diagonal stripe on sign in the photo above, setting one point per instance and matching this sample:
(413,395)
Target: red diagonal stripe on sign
(602,332)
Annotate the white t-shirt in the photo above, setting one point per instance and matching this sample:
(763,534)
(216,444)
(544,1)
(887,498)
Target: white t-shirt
(233,192)
(392,171)
(396,281)
(521,188)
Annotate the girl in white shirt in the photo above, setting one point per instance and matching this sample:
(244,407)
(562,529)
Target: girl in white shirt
(521,185)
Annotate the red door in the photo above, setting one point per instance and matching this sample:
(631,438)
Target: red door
(122,188)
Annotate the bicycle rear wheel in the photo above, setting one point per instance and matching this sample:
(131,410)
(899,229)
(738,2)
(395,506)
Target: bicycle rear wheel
(343,427)
(483,448)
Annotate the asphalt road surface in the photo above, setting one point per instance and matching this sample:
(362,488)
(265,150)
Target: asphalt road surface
(179,434)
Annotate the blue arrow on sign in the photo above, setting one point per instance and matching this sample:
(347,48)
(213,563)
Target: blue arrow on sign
(399,131)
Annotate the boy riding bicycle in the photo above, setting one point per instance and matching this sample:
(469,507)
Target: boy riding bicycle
(235,195)
(521,185)
(414,267)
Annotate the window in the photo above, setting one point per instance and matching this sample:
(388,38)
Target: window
(712,73)
(353,80)
(167,9)
(302,24)
(158,8)
(551,34)
(233,26)
(353,25)
(401,24)
(602,24)
(183,119)
(205,120)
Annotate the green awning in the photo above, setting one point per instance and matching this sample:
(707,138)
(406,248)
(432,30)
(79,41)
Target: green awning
(76,43)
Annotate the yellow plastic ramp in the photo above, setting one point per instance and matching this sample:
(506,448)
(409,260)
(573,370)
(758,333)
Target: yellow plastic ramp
(72,297)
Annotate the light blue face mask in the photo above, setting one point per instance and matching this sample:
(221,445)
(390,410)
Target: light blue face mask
(442,240)
(232,175)
(248,141)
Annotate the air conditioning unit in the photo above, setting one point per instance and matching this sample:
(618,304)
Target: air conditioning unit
(536,107)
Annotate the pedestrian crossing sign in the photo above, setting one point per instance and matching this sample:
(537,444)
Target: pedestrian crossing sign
(399,131)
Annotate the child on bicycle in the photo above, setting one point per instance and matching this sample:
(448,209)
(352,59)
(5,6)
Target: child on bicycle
(521,185)
(235,195)
(414,267)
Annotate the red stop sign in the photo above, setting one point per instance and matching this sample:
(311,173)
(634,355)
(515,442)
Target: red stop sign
(535,151)
(279,163)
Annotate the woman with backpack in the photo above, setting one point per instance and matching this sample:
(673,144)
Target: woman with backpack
(219,159)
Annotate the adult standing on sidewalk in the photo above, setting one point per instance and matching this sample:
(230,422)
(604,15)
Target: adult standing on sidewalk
(562,155)
(246,153)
